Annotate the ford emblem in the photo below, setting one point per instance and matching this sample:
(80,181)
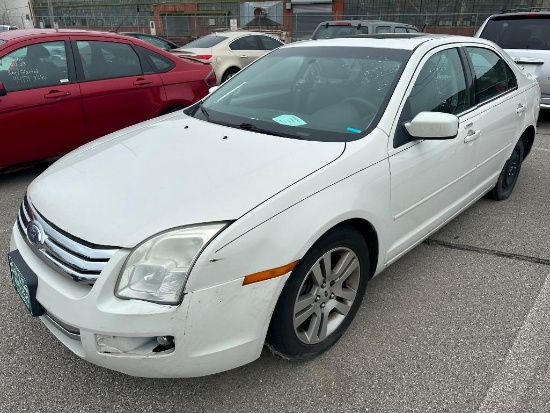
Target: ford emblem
(35,233)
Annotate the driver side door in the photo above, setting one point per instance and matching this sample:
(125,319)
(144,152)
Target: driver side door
(431,179)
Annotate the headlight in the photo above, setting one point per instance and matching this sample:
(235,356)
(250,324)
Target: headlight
(157,270)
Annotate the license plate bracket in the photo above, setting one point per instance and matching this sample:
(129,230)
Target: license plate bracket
(25,282)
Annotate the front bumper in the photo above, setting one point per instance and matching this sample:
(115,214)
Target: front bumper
(214,329)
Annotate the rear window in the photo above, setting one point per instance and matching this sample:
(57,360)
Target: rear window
(205,42)
(519,32)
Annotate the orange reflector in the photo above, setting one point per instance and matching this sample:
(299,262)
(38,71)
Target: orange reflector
(266,275)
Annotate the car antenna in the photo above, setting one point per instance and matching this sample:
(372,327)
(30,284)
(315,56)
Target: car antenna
(122,21)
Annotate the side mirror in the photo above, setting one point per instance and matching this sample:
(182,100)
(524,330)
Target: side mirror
(213,89)
(433,125)
(3,91)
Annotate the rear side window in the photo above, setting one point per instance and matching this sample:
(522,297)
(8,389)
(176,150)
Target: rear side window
(205,42)
(492,75)
(269,43)
(383,29)
(107,60)
(245,43)
(159,63)
(519,33)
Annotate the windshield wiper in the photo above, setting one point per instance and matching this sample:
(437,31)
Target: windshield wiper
(204,111)
(254,128)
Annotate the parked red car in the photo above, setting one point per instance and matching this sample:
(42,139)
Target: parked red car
(62,88)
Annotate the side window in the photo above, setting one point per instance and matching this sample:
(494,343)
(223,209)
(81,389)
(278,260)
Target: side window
(269,43)
(492,75)
(440,86)
(412,30)
(244,43)
(383,29)
(160,63)
(400,30)
(34,66)
(107,60)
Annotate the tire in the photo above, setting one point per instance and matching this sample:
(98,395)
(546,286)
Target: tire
(315,308)
(509,175)
(229,73)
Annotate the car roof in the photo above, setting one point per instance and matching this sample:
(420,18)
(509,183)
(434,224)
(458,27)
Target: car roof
(36,33)
(238,33)
(404,41)
(520,14)
(357,22)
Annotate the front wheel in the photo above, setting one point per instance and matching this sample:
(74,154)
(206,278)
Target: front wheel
(509,175)
(322,295)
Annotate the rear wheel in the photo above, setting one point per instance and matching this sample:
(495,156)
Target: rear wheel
(229,73)
(322,295)
(509,174)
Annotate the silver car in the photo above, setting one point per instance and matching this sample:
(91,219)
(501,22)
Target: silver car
(524,36)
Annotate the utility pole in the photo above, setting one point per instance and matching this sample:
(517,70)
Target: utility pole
(53,24)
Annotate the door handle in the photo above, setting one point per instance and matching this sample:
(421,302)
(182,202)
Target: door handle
(54,94)
(141,82)
(243,56)
(472,137)
(520,109)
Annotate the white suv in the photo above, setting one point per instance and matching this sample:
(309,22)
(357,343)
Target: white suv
(524,36)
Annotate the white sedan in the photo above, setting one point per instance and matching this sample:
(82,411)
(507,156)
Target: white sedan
(229,52)
(179,246)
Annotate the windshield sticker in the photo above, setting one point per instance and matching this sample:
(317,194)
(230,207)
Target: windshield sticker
(289,120)
(353,130)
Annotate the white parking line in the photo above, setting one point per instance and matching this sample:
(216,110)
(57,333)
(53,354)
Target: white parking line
(521,363)
(541,149)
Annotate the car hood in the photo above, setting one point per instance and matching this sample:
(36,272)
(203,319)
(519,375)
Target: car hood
(133,184)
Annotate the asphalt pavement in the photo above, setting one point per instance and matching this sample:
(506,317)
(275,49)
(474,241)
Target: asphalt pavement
(460,324)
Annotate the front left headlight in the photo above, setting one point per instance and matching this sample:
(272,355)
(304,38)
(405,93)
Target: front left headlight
(157,270)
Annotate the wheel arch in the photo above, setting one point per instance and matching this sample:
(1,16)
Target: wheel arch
(528,137)
(369,234)
(231,68)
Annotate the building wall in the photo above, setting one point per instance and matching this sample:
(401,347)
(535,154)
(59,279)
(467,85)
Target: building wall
(15,12)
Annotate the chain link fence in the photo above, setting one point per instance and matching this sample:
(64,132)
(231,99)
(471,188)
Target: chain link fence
(183,22)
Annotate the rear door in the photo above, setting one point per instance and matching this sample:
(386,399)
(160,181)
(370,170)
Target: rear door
(118,87)
(41,115)
(502,106)
(247,49)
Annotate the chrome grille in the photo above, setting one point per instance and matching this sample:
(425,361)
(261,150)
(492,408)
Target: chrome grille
(78,259)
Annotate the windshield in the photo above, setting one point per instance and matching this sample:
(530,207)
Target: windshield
(205,42)
(519,32)
(313,93)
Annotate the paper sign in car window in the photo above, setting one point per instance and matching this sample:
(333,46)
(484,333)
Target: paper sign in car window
(289,120)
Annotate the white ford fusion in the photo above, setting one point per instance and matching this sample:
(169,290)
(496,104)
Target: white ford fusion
(179,246)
